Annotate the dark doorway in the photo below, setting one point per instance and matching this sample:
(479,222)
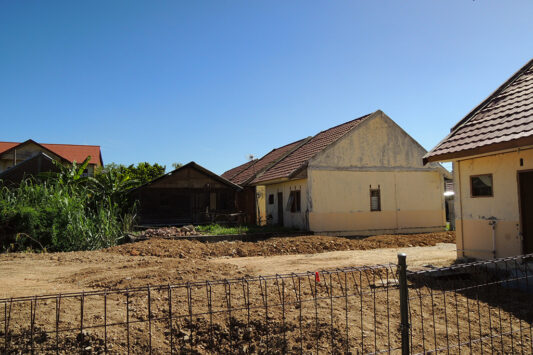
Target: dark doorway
(280,208)
(526,209)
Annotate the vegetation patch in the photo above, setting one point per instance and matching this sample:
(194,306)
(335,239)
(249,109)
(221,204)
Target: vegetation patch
(67,211)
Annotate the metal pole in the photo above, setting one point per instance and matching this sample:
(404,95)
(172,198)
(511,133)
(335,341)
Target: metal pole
(404,311)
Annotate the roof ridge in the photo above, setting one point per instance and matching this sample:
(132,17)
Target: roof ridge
(335,140)
(314,139)
(301,143)
(243,167)
(247,168)
(78,145)
(341,124)
(477,110)
(485,102)
(283,146)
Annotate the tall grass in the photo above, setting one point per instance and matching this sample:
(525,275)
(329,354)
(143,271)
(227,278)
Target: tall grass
(60,215)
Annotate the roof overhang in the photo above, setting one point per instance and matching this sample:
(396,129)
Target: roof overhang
(270,182)
(491,148)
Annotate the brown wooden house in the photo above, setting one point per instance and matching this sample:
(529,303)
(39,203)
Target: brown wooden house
(189,194)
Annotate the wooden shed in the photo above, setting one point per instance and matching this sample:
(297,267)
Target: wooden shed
(189,194)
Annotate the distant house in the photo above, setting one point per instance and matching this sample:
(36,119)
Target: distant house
(188,194)
(492,153)
(31,158)
(251,200)
(362,177)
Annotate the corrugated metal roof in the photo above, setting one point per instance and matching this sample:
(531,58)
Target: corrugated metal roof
(299,157)
(504,117)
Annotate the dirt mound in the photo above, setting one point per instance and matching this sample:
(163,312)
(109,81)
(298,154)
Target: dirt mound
(275,246)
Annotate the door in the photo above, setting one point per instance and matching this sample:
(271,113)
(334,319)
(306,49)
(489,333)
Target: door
(526,209)
(280,208)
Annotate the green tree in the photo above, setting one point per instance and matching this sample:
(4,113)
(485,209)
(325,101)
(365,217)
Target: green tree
(177,165)
(113,186)
(141,173)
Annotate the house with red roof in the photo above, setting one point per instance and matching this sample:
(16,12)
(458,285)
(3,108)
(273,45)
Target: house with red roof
(491,149)
(251,200)
(30,158)
(362,177)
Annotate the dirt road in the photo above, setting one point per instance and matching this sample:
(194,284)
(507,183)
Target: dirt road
(440,255)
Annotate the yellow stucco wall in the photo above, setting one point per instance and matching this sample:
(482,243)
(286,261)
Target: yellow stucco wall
(290,219)
(411,201)
(375,144)
(336,192)
(377,153)
(474,234)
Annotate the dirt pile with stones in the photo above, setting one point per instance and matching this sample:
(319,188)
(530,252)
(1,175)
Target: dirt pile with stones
(173,248)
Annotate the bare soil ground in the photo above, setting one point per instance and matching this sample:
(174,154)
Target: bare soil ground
(278,318)
(277,246)
(442,254)
(161,261)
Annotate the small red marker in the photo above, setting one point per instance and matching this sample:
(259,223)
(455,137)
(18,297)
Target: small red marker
(317,276)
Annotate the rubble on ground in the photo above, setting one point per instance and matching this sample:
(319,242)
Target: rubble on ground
(165,232)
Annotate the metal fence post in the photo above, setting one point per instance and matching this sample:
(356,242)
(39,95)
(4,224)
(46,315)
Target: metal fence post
(404,295)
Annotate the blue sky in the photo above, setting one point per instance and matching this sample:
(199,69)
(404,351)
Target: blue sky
(215,81)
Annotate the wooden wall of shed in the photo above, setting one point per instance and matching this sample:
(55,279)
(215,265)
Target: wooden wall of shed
(180,206)
(189,178)
(185,196)
(246,203)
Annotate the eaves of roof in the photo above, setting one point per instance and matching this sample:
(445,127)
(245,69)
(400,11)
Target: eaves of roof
(504,120)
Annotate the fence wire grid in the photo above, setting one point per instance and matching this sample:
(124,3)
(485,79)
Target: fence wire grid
(480,307)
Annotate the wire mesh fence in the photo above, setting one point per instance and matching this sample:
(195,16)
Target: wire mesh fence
(469,308)
(474,308)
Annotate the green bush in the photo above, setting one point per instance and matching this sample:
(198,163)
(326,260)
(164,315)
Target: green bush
(63,212)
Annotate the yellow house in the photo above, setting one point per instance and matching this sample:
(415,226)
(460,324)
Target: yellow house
(492,154)
(362,177)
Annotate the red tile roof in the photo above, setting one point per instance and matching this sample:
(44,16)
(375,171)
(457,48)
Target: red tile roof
(298,158)
(236,170)
(504,120)
(70,152)
(7,145)
(247,175)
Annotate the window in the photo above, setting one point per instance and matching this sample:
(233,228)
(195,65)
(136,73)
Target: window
(481,185)
(375,200)
(271,199)
(294,203)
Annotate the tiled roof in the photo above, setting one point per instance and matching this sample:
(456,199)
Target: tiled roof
(265,162)
(236,170)
(504,119)
(7,145)
(299,157)
(71,152)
